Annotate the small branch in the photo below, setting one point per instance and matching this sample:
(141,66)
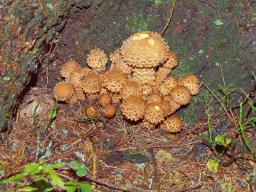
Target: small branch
(105,184)
(169,19)
(197,186)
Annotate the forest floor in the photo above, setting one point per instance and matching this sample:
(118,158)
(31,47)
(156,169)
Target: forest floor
(208,43)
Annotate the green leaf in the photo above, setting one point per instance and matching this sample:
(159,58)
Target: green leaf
(213,166)
(220,139)
(28,188)
(56,180)
(82,171)
(74,165)
(71,186)
(32,169)
(228,140)
(6,78)
(218,22)
(85,187)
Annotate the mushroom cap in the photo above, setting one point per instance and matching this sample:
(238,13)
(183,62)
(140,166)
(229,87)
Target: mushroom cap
(191,82)
(69,67)
(76,78)
(172,124)
(118,62)
(143,75)
(109,111)
(116,98)
(161,75)
(154,113)
(168,84)
(131,88)
(91,83)
(97,59)
(133,108)
(169,106)
(146,89)
(181,95)
(144,50)
(105,99)
(114,80)
(90,111)
(63,91)
(172,60)
(147,125)
(78,93)
(154,97)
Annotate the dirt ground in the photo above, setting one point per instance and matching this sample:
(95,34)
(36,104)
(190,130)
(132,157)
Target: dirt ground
(213,40)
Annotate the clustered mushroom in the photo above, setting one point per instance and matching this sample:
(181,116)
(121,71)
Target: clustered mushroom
(139,81)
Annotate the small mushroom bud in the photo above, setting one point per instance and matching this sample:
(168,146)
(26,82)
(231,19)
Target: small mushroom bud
(104,99)
(109,111)
(90,111)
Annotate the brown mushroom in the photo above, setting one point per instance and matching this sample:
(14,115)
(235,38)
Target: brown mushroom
(133,108)
(90,111)
(168,85)
(69,67)
(109,111)
(191,82)
(63,91)
(172,124)
(180,95)
(91,83)
(97,60)
(172,60)
(105,99)
(154,113)
(131,88)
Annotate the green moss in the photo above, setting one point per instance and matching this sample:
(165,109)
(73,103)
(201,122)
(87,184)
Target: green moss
(137,22)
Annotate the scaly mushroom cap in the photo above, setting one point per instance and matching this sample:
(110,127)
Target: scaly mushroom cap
(154,113)
(91,83)
(133,108)
(131,88)
(146,89)
(63,91)
(104,99)
(169,106)
(172,124)
(181,95)
(69,67)
(144,50)
(114,80)
(90,111)
(161,75)
(147,125)
(172,61)
(116,98)
(191,82)
(168,85)
(118,62)
(78,93)
(143,75)
(97,60)
(154,97)
(76,78)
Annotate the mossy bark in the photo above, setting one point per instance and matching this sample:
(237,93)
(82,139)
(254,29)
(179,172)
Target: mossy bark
(25,28)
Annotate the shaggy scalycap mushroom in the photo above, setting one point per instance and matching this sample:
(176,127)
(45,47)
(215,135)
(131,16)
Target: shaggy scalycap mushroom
(191,82)
(144,50)
(169,106)
(172,124)
(133,108)
(69,67)
(97,60)
(91,83)
(172,61)
(118,62)
(161,75)
(131,88)
(168,85)
(63,91)
(114,80)
(154,113)
(181,95)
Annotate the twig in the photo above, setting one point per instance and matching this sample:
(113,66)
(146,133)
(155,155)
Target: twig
(169,19)
(105,184)
(197,186)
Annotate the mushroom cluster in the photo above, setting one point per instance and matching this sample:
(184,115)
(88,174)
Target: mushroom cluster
(139,81)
